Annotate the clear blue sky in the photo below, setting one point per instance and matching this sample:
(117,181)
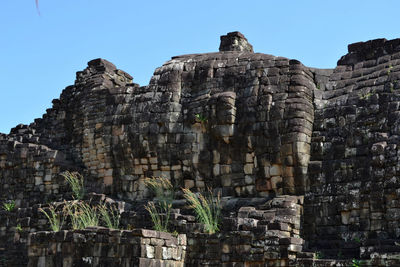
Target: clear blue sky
(40,54)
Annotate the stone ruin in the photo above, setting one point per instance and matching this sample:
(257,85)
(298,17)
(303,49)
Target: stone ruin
(307,161)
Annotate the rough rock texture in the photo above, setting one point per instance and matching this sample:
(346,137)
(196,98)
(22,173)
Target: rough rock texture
(257,231)
(235,41)
(260,235)
(106,247)
(353,202)
(253,126)
(253,136)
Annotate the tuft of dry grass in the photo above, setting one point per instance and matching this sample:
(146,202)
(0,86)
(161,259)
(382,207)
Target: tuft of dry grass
(207,208)
(110,216)
(160,215)
(160,209)
(76,182)
(55,218)
(82,215)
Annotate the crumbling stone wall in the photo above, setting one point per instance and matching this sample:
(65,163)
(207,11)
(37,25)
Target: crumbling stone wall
(254,138)
(261,235)
(352,208)
(105,247)
(29,172)
(15,227)
(262,232)
(247,124)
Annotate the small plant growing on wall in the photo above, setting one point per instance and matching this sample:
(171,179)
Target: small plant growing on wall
(319,255)
(200,118)
(56,219)
(160,208)
(159,214)
(110,216)
(18,228)
(76,182)
(9,206)
(82,215)
(355,263)
(367,95)
(207,209)
(389,69)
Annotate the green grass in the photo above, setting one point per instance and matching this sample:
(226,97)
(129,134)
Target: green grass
(82,215)
(76,182)
(110,216)
(160,214)
(160,208)
(56,219)
(207,209)
(161,187)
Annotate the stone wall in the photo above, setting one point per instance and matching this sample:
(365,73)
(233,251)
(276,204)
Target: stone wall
(70,136)
(234,120)
(265,233)
(260,235)
(255,139)
(15,227)
(352,208)
(260,232)
(29,172)
(16,224)
(105,247)
(249,125)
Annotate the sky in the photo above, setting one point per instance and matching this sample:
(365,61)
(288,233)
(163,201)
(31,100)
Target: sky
(40,53)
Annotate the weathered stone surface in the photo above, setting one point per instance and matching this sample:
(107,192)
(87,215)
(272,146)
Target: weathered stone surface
(354,164)
(253,126)
(234,104)
(235,41)
(90,252)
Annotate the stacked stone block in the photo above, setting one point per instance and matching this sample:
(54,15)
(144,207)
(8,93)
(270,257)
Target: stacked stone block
(15,227)
(242,98)
(234,120)
(352,203)
(264,234)
(246,124)
(29,172)
(105,247)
